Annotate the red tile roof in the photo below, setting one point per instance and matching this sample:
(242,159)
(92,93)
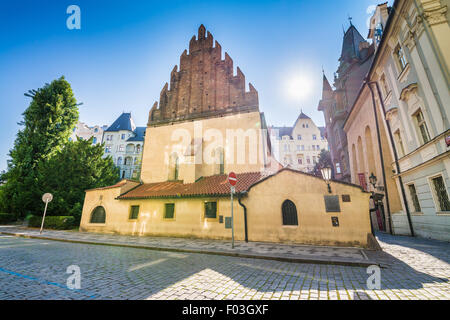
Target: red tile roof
(121,183)
(207,186)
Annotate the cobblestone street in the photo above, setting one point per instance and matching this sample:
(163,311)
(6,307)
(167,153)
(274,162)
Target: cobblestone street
(36,269)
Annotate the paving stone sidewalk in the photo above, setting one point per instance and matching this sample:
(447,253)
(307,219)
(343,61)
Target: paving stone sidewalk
(259,250)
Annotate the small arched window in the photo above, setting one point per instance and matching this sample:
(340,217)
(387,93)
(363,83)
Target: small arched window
(119,161)
(173,167)
(289,212)
(98,215)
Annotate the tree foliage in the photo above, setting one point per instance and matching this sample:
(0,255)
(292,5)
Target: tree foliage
(72,170)
(48,122)
(42,160)
(324,161)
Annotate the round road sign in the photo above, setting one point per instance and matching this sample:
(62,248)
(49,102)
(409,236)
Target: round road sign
(232,179)
(47,197)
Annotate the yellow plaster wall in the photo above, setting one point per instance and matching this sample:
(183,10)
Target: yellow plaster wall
(189,218)
(265,219)
(263,208)
(160,144)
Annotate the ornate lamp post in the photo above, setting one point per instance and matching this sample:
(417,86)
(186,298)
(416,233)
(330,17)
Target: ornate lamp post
(326,174)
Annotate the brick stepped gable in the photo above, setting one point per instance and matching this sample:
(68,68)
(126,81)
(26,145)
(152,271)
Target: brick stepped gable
(204,86)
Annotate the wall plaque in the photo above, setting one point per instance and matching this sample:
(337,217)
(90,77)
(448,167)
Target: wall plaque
(227,222)
(332,204)
(346,198)
(335,221)
(220,219)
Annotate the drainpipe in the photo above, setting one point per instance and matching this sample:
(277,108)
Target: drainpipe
(245,213)
(381,157)
(400,180)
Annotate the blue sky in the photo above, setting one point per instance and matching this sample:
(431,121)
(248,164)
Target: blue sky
(125,50)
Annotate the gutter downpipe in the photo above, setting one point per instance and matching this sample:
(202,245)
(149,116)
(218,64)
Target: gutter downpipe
(400,180)
(388,207)
(245,214)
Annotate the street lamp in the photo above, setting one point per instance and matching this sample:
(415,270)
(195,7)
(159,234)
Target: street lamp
(326,174)
(373,180)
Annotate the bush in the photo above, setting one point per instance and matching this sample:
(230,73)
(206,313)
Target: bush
(7,217)
(53,222)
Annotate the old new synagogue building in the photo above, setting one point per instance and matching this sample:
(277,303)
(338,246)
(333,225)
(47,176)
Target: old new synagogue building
(205,126)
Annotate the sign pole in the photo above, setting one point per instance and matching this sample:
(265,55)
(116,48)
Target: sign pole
(43,218)
(232,180)
(47,197)
(232,218)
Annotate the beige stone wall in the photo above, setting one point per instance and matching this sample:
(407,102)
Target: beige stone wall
(263,208)
(189,218)
(265,218)
(164,140)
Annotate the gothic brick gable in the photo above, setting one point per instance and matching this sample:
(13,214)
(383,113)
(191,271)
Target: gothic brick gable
(204,86)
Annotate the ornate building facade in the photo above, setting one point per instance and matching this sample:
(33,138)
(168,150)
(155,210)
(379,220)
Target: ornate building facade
(355,60)
(124,142)
(86,132)
(398,128)
(298,147)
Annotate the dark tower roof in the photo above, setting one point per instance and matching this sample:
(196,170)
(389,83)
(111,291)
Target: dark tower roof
(123,122)
(350,45)
(327,91)
(303,116)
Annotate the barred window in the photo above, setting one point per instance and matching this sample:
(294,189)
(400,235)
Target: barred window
(414,197)
(441,194)
(134,212)
(98,215)
(211,210)
(289,212)
(169,212)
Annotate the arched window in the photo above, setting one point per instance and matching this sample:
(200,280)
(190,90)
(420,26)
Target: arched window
(130,148)
(220,161)
(138,148)
(289,212)
(119,161)
(98,215)
(173,167)
(128,161)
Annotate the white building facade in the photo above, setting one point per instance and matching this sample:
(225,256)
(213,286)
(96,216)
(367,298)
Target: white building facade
(298,147)
(85,132)
(124,142)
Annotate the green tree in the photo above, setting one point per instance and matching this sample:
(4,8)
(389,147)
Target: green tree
(48,122)
(77,167)
(324,161)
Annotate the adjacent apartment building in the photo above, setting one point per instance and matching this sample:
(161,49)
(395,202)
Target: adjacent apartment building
(398,128)
(85,132)
(124,143)
(298,147)
(354,62)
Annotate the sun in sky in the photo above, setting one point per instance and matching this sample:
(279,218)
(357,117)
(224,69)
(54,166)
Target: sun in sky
(298,87)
